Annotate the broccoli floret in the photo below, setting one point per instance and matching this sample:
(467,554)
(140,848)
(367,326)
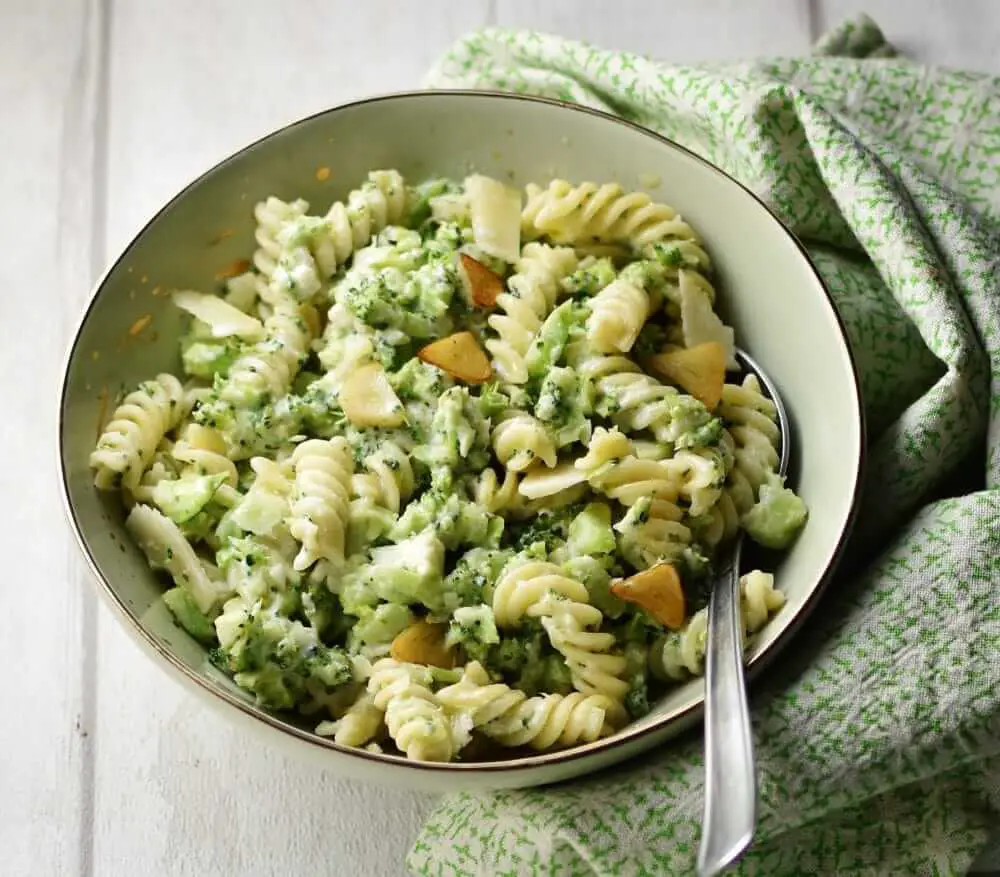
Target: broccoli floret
(459,436)
(475,573)
(637,696)
(475,630)
(589,279)
(182,499)
(528,663)
(419,381)
(492,400)
(410,572)
(251,429)
(778,515)
(418,199)
(378,625)
(322,611)
(590,531)
(205,359)
(692,424)
(563,400)
(455,520)
(189,616)
(651,341)
(646,273)
(371,296)
(549,528)
(318,410)
(563,326)
(277,659)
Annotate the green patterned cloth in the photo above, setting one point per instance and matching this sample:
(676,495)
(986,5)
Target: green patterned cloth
(878,729)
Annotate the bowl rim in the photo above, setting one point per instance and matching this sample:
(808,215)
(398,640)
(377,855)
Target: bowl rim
(682,717)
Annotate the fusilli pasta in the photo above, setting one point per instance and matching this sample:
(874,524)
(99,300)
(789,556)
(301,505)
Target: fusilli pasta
(319,508)
(520,439)
(570,214)
(530,296)
(130,439)
(415,719)
(512,718)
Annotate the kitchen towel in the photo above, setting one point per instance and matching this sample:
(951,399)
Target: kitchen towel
(878,728)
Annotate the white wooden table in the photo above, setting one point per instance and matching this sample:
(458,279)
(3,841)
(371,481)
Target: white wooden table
(110,106)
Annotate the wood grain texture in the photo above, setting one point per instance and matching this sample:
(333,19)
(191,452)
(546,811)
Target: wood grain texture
(178,791)
(109,767)
(48,83)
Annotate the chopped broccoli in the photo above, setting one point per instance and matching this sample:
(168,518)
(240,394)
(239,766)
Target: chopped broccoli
(548,528)
(319,411)
(562,405)
(459,435)
(321,609)
(475,630)
(492,400)
(420,381)
(251,429)
(418,199)
(528,662)
(378,625)
(778,515)
(411,571)
(590,531)
(590,278)
(183,498)
(563,326)
(189,616)
(276,658)
(455,520)
(205,359)
(653,338)
(637,697)
(475,572)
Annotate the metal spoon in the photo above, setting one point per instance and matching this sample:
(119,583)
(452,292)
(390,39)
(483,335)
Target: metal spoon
(730,775)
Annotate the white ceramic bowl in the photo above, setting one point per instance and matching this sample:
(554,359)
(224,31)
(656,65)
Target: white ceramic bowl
(769,291)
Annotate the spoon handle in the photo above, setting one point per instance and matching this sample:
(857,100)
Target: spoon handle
(730,776)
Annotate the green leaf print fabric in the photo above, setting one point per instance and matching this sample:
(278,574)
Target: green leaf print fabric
(878,729)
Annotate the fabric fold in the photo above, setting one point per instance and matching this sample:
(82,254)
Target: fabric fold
(878,728)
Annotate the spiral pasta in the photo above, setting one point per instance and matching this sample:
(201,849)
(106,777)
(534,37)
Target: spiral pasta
(520,439)
(272,215)
(205,450)
(361,724)
(542,590)
(415,719)
(698,477)
(569,214)
(266,369)
(319,508)
(611,467)
(389,480)
(653,530)
(466,458)
(636,401)
(379,202)
(759,599)
(617,314)
(130,439)
(681,654)
(496,496)
(752,422)
(512,718)
(531,295)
